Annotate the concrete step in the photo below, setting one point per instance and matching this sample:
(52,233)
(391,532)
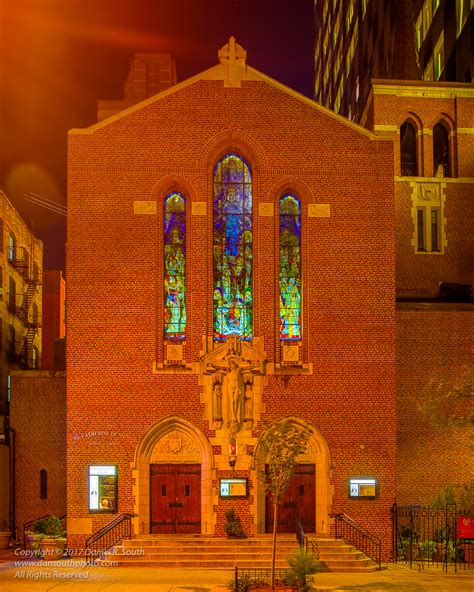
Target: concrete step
(197,551)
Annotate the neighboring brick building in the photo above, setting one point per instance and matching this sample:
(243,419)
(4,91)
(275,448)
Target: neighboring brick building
(38,418)
(21,265)
(432,125)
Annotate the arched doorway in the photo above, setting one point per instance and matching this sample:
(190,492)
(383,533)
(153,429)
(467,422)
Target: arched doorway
(173,470)
(308,496)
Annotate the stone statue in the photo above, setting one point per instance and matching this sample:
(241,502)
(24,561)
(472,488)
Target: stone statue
(233,386)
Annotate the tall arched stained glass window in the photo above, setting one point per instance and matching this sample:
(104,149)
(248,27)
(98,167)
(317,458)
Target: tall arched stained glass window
(175,266)
(290,268)
(233,296)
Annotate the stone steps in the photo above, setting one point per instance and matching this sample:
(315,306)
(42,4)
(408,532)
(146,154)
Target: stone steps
(221,553)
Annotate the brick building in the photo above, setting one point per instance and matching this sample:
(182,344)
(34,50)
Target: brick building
(432,126)
(148,386)
(224,274)
(21,265)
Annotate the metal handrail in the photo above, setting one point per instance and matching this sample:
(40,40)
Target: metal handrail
(360,538)
(117,529)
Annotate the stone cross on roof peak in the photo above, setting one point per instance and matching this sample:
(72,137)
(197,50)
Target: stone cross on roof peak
(233,57)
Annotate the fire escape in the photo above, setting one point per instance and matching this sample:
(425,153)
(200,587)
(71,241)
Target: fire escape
(25,358)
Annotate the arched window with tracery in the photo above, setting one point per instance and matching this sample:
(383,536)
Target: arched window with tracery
(408,150)
(441,149)
(290,267)
(233,287)
(175,267)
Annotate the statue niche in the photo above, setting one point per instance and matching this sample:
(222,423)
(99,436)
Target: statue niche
(232,382)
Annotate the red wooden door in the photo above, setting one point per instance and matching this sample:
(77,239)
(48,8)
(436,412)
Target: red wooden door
(175,499)
(298,502)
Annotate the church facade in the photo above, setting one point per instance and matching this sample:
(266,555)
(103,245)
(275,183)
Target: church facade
(229,266)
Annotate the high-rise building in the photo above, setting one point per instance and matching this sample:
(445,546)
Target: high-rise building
(360,40)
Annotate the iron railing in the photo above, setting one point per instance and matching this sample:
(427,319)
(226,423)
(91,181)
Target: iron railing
(256,576)
(348,530)
(425,535)
(409,169)
(116,530)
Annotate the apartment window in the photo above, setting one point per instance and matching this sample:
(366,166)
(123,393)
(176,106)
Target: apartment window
(462,12)
(349,15)
(11,247)
(34,358)
(441,150)
(428,229)
(427,17)
(428,74)
(408,150)
(11,294)
(418,29)
(11,340)
(438,60)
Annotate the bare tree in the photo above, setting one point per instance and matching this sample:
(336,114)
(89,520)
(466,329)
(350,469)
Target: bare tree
(282,443)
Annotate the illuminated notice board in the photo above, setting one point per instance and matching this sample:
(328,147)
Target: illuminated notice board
(103,488)
(362,488)
(233,488)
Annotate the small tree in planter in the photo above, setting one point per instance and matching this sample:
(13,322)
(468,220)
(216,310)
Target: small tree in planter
(49,537)
(282,444)
(233,527)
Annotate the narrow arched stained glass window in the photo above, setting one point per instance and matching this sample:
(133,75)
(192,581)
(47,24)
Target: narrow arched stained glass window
(233,293)
(175,267)
(290,268)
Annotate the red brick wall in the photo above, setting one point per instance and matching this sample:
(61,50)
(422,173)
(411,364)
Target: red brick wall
(434,353)
(38,416)
(54,294)
(115,266)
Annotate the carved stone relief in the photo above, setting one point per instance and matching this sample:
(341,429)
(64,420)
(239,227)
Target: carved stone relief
(233,367)
(173,445)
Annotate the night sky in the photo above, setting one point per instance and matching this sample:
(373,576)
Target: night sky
(58,57)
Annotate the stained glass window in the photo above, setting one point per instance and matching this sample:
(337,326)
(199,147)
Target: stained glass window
(175,267)
(290,268)
(233,296)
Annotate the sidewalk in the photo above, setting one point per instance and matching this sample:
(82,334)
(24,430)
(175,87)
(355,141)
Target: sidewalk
(74,576)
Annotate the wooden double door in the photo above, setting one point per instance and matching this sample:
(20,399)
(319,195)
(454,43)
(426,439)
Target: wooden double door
(299,502)
(175,499)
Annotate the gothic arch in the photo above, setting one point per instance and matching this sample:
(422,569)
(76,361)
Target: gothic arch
(231,141)
(198,450)
(318,454)
(444,123)
(411,157)
(291,185)
(172,183)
